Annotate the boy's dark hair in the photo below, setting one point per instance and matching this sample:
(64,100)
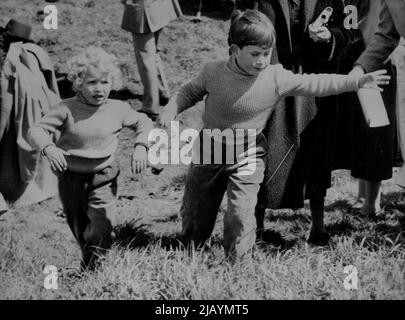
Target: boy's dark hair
(251,27)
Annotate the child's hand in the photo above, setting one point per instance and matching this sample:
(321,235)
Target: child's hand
(139,160)
(165,118)
(56,158)
(372,80)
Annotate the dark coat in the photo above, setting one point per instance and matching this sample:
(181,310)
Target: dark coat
(369,153)
(296,118)
(145,16)
(391,27)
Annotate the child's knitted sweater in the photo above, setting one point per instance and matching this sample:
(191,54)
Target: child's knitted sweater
(88,133)
(237,100)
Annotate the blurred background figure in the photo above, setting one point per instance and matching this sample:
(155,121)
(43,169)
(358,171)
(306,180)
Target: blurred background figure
(305,169)
(28,90)
(145,19)
(398,58)
(369,153)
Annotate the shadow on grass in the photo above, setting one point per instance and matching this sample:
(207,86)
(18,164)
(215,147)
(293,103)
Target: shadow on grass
(274,238)
(134,234)
(371,232)
(341,205)
(341,227)
(291,217)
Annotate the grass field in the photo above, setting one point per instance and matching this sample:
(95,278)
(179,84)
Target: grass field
(145,262)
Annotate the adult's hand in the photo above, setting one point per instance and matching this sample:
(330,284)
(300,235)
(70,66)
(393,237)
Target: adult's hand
(321,34)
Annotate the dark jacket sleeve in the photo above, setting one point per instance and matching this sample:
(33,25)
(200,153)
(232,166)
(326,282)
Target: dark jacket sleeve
(384,41)
(346,45)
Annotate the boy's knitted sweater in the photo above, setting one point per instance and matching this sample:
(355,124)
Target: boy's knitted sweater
(237,100)
(88,133)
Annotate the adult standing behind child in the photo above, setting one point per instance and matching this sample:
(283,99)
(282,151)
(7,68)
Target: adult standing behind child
(390,29)
(83,156)
(370,153)
(145,19)
(241,93)
(304,47)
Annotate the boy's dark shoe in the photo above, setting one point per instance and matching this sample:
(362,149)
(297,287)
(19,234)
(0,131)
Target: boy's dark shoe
(319,239)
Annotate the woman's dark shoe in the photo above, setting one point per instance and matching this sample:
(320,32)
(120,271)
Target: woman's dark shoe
(319,239)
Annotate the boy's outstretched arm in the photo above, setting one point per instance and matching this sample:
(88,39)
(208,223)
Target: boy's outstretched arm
(290,84)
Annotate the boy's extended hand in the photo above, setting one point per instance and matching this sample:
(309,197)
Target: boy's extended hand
(56,158)
(372,80)
(139,160)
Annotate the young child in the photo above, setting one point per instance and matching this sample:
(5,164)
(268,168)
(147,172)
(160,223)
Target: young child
(83,156)
(241,93)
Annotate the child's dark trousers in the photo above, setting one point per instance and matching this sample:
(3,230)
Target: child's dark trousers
(205,187)
(89,204)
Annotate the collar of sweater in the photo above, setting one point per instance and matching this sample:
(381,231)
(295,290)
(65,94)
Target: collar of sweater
(234,66)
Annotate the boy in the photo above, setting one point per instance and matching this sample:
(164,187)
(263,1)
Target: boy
(241,93)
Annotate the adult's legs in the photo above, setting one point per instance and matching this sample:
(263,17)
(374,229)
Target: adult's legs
(145,53)
(164,90)
(317,214)
(316,193)
(372,203)
(361,196)
(318,235)
(369,197)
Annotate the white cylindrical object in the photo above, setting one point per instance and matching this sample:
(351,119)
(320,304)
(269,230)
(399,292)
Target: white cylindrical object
(373,107)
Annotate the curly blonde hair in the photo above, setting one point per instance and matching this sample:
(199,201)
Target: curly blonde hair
(97,58)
